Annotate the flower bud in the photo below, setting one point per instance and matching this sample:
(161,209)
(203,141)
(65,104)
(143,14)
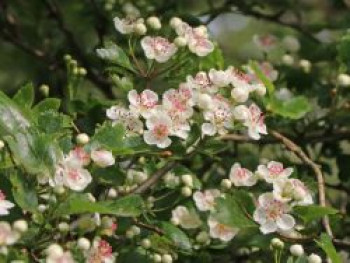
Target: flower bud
(226,183)
(202,237)
(21,226)
(146,243)
(287,60)
(54,250)
(186,191)
(45,90)
(63,227)
(67,57)
(180,41)
(260,89)
(157,258)
(154,22)
(175,22)
(82,71)
(42,208)
(166,258)
(129,234)
(82,138)
(313,258)
(175,221)
(296,250)
(277,243)
(291,43)
(305,65)
(112,193)
(140,177)
(343,80)
(241,112)
(204,101)
(136,230)
(2,145)
(102,158)
(83,243)
(240,94)
(59,190)
(140,29)
(187,180)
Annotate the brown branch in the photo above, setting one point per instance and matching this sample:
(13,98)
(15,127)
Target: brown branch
(148,227)
(96,78)
(154,178)
(320,180)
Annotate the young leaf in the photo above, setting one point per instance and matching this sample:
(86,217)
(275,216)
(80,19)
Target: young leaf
(175,234)
(25,96)
(265,80)
(110,137)
(294,108)
(326,244)
(49,104)
(313,212)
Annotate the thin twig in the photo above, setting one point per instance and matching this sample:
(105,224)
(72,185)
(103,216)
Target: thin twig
(320,180)
(148,227)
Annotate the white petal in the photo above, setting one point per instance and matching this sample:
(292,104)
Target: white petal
(285,222)
(268,227)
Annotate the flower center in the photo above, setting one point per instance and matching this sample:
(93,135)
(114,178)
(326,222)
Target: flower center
(160,131)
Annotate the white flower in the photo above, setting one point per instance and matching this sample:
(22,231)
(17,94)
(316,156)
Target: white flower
(199,44)
(142,103)
(65,257)
(158,48)
(126,25)
(242,176)
(255,122)
(292,189)
(7,235)
(129,119)
(240,94)
(159,127)
(79,156)
(219,116)
(221,231)
(272,214)
(273,171)
(220,78)
(205,201)
(265,42)
(186,219)
(72,175)
(5,205)
(202,83)
(101,251)
(102,158)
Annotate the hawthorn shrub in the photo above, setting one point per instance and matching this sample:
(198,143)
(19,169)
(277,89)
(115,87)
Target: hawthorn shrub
(187,158)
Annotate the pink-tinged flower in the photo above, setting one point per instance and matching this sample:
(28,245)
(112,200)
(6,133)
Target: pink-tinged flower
(158,48)
(71,175)
(241,176)
(266,68)
(126,25)
(202,83)
(220,78)
(255,122)
(65,257)
(205,201)
(80,156)
(5,205)
(102,158)
(199,44)
(7,235)
(142,103)
(219,116)
(179,101)
(292,190)
(129,119)
(221,231)
(265,42)
(101,252)
(159,127)
(185,218)
(273,171)
(272,214)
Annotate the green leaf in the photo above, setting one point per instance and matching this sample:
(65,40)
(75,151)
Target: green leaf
(213,60)
(231,211)
(129,206)
(313,212)
(326,244)
(49,104)
(175,234)
(111,175)
(37,153)
(113,53)
(25,96)
(265,80)
(109,137)
(12,118)
(294,108)
(23,191)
